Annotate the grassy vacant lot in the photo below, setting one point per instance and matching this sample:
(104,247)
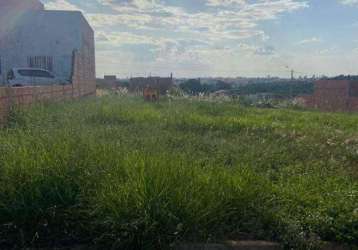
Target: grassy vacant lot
(132,175)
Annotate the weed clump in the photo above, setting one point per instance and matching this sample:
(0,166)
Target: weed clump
(126,174)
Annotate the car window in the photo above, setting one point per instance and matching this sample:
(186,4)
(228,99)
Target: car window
(26,72)
(35,73)
(41,73)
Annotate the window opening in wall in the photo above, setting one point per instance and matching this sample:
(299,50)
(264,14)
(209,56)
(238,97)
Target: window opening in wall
(42,62)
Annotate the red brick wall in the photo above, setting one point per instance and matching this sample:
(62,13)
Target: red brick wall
(83,78)
(307,101)
(84,68)
(138,84)
(4,103)
(353,104)
(333,95)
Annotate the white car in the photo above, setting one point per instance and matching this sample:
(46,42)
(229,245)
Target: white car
(18,77)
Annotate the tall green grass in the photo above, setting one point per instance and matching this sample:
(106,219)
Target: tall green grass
(122,173)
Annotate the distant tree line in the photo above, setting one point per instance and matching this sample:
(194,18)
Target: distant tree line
(346,77)
(286,88)
(281,88)
(194,86)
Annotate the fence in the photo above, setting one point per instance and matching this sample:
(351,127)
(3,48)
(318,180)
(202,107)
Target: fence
(83,84)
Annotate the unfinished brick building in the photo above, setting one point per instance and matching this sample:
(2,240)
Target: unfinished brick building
(162,84)
(334,95)
(59,41)
(32,37)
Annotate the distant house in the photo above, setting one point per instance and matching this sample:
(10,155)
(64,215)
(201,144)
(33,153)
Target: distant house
(31,36)
(110,78)
(162,84)
(109,81)
(340,94)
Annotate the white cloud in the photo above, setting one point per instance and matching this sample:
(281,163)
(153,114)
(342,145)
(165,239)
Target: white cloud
(61,5)
(211,39)
(310,40)
(118,39)
(328,51)
(101,20)
(349,2)
(141,4)
(238,23)
(225,2)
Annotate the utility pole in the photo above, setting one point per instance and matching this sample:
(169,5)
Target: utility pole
(292,75)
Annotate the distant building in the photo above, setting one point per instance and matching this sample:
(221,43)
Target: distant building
(109,81)
(110,78)
(162,84)
(340,94)
(31,36)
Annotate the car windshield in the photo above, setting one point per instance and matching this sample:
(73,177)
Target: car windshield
(34,73)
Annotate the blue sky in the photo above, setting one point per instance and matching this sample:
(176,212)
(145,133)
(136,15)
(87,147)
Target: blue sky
(199,38)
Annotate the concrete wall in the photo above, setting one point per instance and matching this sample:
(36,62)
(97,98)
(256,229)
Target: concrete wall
(20,5)
(53,34)
(27,30)
(12,10)
(25,96)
